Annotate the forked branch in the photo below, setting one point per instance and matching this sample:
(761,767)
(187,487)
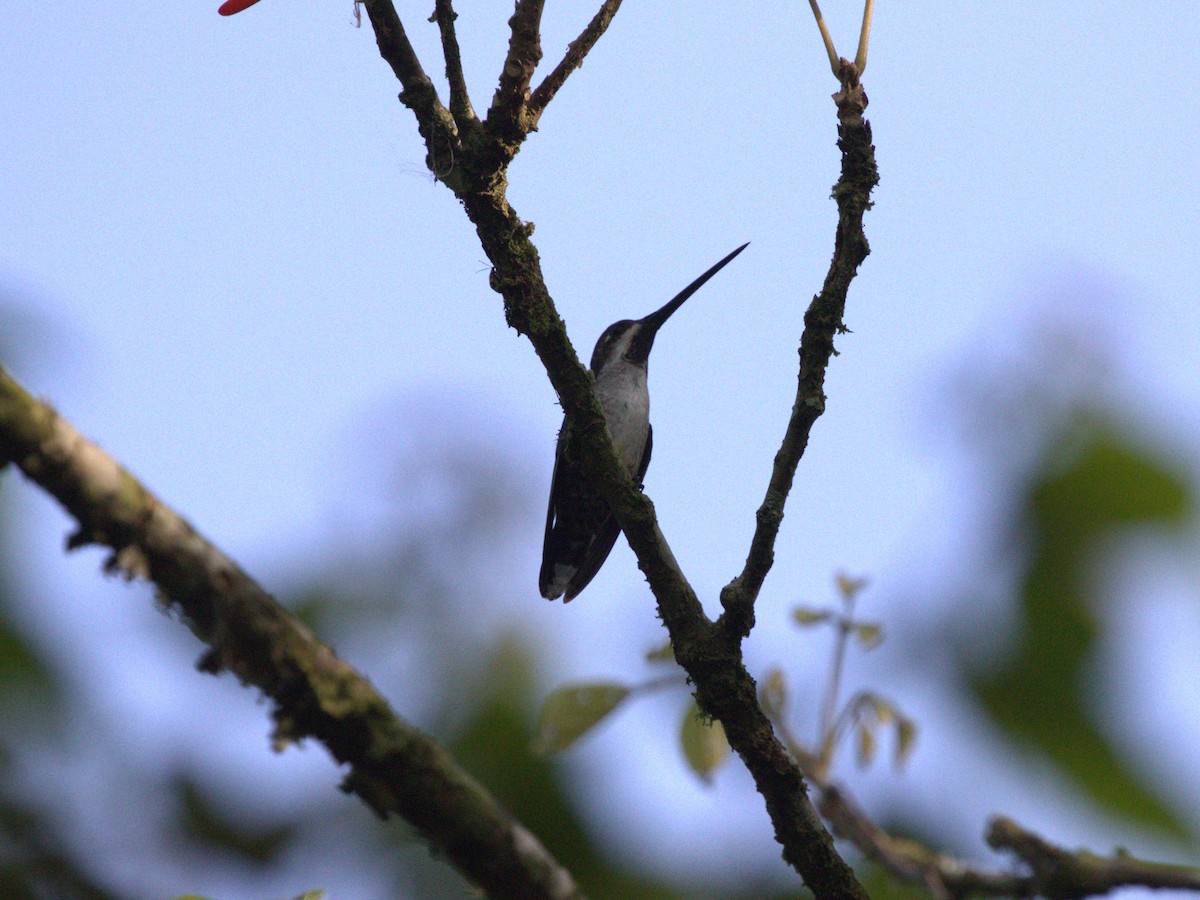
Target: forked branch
(723,686)
(1057,872)
(864,37)
(435,123)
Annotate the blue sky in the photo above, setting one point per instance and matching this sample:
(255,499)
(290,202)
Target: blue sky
(242,268)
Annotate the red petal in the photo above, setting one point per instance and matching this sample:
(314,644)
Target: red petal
(229,7)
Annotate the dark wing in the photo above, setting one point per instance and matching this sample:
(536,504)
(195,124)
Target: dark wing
(546,575)
(641,472)
(597,552)
(606,537)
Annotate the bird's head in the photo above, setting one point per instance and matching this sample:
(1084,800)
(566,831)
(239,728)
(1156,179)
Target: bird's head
(632,339)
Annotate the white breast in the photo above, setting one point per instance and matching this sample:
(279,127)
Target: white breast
(621,389)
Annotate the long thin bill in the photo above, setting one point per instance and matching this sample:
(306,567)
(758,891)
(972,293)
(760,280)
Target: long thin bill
(656,318)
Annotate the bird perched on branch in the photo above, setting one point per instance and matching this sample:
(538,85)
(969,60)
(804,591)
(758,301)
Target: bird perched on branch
(580,526)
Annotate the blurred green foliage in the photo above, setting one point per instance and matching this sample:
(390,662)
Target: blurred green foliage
(35,862)
(1094,483)
(222,828)
(882,885)
(496,744)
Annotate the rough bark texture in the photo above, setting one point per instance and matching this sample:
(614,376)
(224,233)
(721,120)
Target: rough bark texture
(394,767)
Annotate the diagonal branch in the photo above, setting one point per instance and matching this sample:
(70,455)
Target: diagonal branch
(434,122)
(395,47)
(822,322)
(830,50)
(576,51)
(460,100)
(864,38)
(1064,873)
(524,53)
(394,767)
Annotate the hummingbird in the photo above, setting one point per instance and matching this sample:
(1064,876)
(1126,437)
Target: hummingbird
(580,526)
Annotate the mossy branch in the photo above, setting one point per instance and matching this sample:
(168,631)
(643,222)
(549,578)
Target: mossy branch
(394,767)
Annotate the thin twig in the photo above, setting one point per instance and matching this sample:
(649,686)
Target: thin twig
(576,51)
(843,627)
(435,123)
(829,48)
(460,100)
(1081,873)
(864,37)
(394,767)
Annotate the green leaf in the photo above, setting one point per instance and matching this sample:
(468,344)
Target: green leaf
(868,634)
(806,617)
(704,745)
(849,587)
(906,739)
(494,743)
(570,712)
(864,744)
(1094,484)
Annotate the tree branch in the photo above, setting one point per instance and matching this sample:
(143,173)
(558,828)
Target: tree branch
(434,122)
(506,116)
(576,51)
(830,50)
(1061,874)
(394,46)
(460,100)
(941,874)
(1055,873)
(822,322)
(724,689)
(394,767)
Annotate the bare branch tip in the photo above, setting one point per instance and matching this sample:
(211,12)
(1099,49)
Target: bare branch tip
(834,59)
(460,100)
(573,59)
(864,37)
